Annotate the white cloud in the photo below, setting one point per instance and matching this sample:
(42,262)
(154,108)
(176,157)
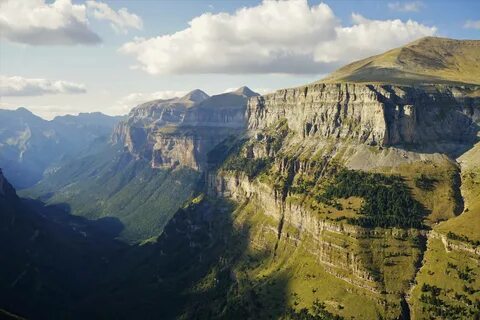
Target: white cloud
(414,6)
(272,37)
(472,24)
(19,86)
(61,22)
(368,37)
(38,23)
(133,99)
(120,20)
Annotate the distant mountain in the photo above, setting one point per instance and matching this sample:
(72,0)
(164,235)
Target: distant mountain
(29,145)
(190,128)
(428,60)
(156,162)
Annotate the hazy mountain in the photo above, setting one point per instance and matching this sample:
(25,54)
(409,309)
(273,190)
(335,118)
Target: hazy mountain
(29,145)
(157,159)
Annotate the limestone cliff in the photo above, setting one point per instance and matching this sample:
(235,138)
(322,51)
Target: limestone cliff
(181,131)
(424,118)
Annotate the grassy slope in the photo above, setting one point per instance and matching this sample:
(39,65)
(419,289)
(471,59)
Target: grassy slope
(456,273)
(430,59)
(468,223)
(141,198)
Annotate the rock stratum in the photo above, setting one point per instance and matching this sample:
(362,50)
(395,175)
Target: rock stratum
(181,131)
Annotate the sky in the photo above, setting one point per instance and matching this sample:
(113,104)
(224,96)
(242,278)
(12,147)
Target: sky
(67,56)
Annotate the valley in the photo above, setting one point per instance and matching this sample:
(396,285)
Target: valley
(355,197)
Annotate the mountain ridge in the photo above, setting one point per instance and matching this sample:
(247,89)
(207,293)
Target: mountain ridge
(427,60)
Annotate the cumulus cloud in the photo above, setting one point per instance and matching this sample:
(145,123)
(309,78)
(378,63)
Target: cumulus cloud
(272,37)
(472,24)
(368,37)
(414,6)
(19,86)
(37,22)
(120,20)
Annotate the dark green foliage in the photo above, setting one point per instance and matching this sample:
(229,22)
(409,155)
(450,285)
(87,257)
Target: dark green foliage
(217,156)
(441,309)
(388,200)
(318,313)
(454,236)
(112,184)
(251,167)
(425,183)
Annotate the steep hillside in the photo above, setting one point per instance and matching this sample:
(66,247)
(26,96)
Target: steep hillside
(110,183)
(29,145)
(428,60)
(357,174)
(153,165)
(40,249)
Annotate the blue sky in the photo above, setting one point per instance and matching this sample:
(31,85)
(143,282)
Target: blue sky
(97,65)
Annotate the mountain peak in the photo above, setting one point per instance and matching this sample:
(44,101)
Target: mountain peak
(196,96)
(426,60)
(245,91)
(24,110)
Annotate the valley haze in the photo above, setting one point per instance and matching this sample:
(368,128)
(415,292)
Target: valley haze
(141,178)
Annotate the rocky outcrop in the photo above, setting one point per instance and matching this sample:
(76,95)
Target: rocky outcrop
(431,118)
(181,131)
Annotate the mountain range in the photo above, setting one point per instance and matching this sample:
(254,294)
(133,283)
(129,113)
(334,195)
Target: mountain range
(30,145)
(354,197)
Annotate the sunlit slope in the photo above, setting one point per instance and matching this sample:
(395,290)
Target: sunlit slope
(467,225)
(427,60)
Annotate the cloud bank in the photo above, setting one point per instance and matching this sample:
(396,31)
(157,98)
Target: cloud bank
(272,37)
(36,22)
(19,86)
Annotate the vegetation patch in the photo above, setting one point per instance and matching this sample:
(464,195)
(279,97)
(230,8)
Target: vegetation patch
(388,200)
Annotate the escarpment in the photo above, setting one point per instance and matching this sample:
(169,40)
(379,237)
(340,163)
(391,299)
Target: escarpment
(181,131)
(425,118)
(328,163)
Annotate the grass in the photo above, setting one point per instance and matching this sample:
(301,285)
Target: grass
(431,59)
(141,198)
(468,223)
(448,272)
(440,200)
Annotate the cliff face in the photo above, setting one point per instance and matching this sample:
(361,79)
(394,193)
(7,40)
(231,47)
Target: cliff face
(296,136)
(180,132)
(422,118)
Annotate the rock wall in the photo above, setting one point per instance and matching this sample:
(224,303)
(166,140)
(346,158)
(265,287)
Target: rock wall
(374,114)
(172,134)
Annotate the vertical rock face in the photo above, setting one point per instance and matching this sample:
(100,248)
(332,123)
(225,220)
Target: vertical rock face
(373,114)
(297,133)
(181,131)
